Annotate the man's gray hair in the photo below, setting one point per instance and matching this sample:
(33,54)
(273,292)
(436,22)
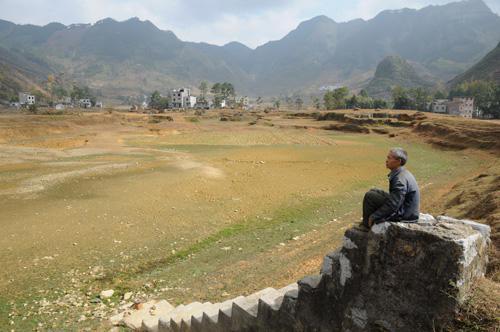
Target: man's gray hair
(401,154)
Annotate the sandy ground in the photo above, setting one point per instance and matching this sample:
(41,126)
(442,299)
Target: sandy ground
(120,192)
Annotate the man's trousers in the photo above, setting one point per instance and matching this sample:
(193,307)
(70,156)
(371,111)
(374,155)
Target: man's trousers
(372,201)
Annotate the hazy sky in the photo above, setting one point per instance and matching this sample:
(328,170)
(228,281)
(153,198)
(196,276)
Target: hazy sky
(252,22)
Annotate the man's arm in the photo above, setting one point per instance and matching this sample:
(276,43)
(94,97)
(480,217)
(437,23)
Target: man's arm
(396,198)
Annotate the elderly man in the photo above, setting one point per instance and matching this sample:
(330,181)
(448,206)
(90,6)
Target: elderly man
(402,203)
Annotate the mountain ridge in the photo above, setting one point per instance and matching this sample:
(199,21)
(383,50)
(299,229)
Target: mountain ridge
(136,57)
(487,69)
(394,71)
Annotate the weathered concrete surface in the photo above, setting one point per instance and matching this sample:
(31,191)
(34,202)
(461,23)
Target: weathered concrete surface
(394,277)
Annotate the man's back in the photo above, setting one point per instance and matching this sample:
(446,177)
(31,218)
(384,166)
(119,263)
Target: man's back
(410,208)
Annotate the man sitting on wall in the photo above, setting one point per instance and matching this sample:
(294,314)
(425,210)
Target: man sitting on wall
(402,203)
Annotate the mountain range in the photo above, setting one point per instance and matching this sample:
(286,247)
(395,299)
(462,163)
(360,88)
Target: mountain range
(134,57)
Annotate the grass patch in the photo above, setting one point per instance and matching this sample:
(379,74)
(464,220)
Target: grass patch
(480,310)
(254,235)
(193,119)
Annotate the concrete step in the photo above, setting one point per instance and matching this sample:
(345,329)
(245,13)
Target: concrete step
(164,320)
(173,322)
(225,314)
(133,316)
(273,300)
(269,306)
(288,303)
(270,297)
(284,290)
(197,320)
(210,318)
(197,313)
(150,323)
(244,313)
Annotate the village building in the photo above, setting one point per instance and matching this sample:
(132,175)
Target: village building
(202,103)
(182,98)
(66,101)
(85,103)
(463,107)
(245,102)
(25,99)
(439,106)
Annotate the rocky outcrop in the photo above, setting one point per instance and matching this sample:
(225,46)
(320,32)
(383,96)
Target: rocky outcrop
(394,277)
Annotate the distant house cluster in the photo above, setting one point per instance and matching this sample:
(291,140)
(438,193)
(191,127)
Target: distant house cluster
(26,100)
(182,98)
(463,107)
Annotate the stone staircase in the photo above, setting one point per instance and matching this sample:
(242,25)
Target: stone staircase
(239,314)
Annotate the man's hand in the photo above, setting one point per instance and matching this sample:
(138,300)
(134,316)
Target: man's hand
(370,222)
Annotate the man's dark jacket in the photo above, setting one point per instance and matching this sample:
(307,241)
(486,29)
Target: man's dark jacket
(403,202)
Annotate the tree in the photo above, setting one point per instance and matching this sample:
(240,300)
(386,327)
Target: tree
(352,102)
(203,91)
(336,99)
(494,108)
(379,103)
(316,102)
(227,90)
(83,92)
(299,102)
(32,108)
(421,98)
(223,91)
(329,100)
(155,99)
(215,88)
(439,95)
(401,99)
(158,102)
(276,103)
(58,91)
(216,91)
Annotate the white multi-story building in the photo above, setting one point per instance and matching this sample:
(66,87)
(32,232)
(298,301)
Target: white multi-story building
(440,106)
(192,101)
(463,107)
(182,98)
(26,99)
